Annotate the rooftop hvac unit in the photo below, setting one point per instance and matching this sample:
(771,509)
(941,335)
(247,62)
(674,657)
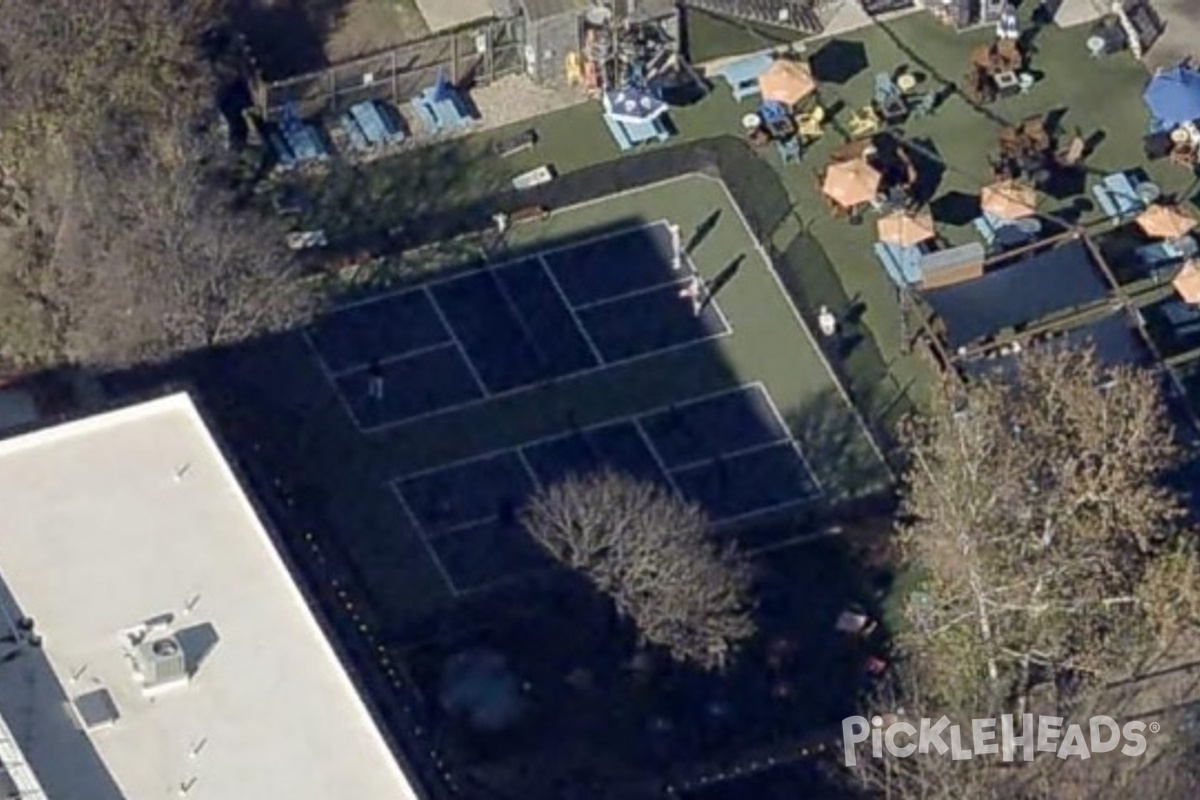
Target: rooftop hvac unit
(160,662)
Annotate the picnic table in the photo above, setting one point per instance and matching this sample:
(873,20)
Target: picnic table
(534,177)
(442,107)
(742,74)
(902,263)
(629,134)
(516,143)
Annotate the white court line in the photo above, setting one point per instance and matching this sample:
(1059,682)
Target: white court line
(332,381)
(658,287)
(420,351)
(461,275)
(514,577)
(628,418)
(587,337)
(457,343)
(773,270)
(731,454)
(530,387)
(795,443)
(533,478)
(442,533)
(662,467)
(425,540)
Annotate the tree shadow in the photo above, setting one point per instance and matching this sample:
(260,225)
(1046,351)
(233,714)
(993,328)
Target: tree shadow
(838,449)
(955,208)
(838,61)
(287,39)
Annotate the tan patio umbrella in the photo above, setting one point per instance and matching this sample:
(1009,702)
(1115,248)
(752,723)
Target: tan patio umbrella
(1187,281)
(1008,199)
(787,82)
(849,183)
(1168,222)
(906,229)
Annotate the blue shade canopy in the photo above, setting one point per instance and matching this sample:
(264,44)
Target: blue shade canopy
(633,105)
(1173,97)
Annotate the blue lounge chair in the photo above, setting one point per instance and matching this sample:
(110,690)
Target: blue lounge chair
(1117,197)
(902,264)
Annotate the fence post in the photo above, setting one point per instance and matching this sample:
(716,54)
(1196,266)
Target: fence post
(395,87)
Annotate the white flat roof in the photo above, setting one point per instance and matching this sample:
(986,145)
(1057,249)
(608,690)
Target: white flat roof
(126,516)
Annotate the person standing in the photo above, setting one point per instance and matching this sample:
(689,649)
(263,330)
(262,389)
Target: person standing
(375,380)
(827,322)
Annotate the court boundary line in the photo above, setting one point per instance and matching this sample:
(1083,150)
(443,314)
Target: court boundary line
(419,351)
(529,387)
(657,456)
(462,351)
(331,381)
(562,296)
(430,282)
(426,288)
(799,450)
(500,451)
(732,454)
(438,564)
(717,528)
(774,271)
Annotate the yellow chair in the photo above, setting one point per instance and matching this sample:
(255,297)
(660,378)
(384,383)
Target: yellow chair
(864,122)
(808,125)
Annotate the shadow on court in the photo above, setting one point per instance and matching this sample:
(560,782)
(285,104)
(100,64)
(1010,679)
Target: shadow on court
(598,710)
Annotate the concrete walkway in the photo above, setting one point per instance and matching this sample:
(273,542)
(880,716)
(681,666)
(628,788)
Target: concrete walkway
(1182,36)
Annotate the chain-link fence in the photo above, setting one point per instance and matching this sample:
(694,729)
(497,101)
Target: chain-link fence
(478,55)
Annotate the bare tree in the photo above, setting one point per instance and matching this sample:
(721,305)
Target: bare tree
(652,553)
(1040,526)
(101,71)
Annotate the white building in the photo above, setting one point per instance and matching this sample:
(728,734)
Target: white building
(152,642)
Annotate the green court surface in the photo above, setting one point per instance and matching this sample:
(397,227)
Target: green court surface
(356,469)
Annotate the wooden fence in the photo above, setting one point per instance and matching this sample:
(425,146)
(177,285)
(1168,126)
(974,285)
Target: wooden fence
(478,55)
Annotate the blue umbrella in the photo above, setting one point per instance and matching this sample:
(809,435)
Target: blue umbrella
(1173,97)
(633,106)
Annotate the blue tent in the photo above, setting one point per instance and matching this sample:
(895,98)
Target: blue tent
(1173,97)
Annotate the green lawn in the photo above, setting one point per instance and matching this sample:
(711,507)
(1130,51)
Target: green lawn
(1100,98)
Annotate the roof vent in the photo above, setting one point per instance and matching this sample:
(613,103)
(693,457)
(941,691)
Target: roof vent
(96,709)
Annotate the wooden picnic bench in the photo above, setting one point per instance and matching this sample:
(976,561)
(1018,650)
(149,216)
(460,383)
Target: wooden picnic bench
(516,143)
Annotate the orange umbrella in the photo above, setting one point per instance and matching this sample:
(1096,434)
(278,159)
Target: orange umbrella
(787,82)
(1168,222)
(849,183)
(906,229)
(1008,199)
(1187,282)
